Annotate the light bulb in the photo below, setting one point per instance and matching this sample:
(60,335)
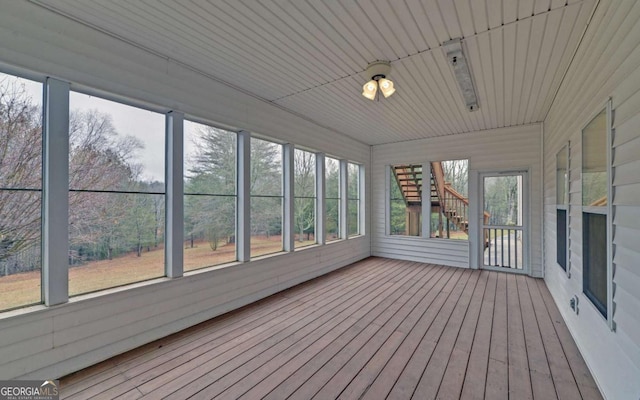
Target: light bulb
(386,87)
(369,90)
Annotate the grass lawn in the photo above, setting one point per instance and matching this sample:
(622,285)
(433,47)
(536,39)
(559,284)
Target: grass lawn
(459,235)
(23,289)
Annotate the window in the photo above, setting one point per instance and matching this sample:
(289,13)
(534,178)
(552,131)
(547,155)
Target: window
(332,199)
(561,237)
(116,199)
(405,200)
(304,175)
(20,191)
(595,181)
(209,196)
(562,203)
(449,199)
(266,197)
(353,179)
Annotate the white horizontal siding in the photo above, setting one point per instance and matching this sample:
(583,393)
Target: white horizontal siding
(607,64)
(40,342)
(500,149)
(446,252)
(45,343)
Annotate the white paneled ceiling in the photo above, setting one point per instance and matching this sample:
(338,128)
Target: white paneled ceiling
(309,56)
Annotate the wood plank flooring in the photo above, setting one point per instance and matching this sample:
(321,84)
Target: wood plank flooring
(377,329)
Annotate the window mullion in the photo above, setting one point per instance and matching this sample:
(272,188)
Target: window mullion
(288,192)
(321,208)
(243,200)
(55,248)
(174,209)
(426,200)
(361,200)
(344,199)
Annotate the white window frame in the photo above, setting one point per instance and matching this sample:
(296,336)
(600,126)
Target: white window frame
(341,198)
(425,198)
(426,201)
(55,187)
(565,205)
(345,209)
(426,232)
(318,188)
(286,194)
(195,120)
(608,211)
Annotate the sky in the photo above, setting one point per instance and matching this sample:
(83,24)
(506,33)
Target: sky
(147,126)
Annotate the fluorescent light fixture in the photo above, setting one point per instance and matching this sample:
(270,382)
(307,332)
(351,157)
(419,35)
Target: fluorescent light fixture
(458,62)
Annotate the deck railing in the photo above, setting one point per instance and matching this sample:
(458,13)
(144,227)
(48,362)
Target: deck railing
(453,205)
(456,207)
(504,247)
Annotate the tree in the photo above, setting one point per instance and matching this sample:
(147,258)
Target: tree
(304,190)
(210,209)
(456,173)
(158,212)
(501,199)
(332,202)
(101,223)
(354,195)
(266,187)
(20,168)
(141,219)
(398,209)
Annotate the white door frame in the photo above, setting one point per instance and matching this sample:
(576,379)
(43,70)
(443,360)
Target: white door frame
(526,226)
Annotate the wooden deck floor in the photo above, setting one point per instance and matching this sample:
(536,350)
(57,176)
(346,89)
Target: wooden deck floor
(377,329)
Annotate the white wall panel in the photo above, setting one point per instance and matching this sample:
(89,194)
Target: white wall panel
(607,64)
(500,149)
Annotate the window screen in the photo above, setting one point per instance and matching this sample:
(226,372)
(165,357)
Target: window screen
(594,253)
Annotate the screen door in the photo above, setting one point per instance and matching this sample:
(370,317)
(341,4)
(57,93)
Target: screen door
(504,233)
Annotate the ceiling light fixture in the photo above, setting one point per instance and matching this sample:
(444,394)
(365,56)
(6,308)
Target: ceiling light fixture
(378,71)
(458,62)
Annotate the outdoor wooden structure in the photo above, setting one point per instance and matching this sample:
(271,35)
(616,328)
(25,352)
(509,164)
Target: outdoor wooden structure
(447,202)
(378,329)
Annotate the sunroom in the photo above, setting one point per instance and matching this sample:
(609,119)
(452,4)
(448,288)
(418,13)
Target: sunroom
(328,199)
